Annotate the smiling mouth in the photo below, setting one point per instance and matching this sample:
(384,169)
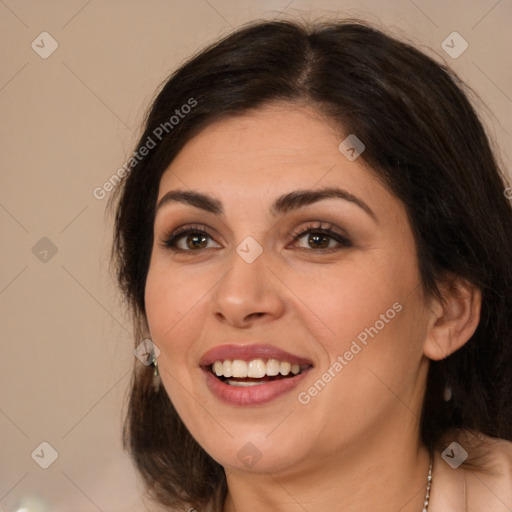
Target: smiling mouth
(255,372)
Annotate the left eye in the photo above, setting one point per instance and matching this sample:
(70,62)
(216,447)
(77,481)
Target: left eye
(320,238)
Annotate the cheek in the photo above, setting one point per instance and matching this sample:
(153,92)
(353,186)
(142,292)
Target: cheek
(173,301)
(351,298)
(375,322)
(175,305)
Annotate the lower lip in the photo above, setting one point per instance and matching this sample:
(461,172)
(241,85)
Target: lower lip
(251,395)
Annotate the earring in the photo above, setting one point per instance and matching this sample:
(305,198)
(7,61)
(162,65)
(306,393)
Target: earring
(448,393)
(156,374)
(154,362)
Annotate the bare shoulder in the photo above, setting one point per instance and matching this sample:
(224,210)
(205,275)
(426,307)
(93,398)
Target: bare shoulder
(488,476)
(473,473)
(490,487)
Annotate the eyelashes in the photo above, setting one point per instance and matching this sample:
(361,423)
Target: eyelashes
(173,238)
(196,239)
(325,232)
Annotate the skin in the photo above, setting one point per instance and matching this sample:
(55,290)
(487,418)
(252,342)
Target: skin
(355,445)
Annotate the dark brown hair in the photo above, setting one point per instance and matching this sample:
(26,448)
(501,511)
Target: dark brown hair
(423,140)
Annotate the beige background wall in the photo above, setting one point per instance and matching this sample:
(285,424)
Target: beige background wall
(68,122)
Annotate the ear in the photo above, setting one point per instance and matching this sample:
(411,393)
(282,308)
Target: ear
(454,319)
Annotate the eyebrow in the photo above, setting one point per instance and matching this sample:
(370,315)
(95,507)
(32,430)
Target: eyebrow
(283,204)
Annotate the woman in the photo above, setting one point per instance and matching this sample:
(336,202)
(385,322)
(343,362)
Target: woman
(314,235)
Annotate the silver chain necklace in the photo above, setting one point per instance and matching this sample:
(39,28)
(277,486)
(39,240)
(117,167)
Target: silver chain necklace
(429,483)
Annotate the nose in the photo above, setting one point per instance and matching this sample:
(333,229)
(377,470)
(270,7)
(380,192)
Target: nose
(248,293)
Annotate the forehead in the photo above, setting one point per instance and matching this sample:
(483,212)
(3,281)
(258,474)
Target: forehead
(269,151)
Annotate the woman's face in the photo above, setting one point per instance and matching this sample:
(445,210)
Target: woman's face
(267,287)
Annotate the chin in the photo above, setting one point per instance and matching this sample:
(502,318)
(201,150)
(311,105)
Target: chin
(258,452)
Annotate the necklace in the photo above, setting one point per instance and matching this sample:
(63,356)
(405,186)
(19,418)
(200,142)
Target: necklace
(429,483)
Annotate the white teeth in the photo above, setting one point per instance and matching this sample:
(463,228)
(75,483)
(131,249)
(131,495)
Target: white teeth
(217,368)
(273,367)
(227,368)
(244,384)
(284,368)
(255,369)
(239,368)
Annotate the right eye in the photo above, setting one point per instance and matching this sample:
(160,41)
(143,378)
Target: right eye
(187,239)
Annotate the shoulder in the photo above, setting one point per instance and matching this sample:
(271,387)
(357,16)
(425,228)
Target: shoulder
(491,486)
(483,483)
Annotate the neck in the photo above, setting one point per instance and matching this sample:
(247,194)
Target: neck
(367,478)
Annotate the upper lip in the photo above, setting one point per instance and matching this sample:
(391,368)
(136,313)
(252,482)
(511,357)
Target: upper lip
(250,352)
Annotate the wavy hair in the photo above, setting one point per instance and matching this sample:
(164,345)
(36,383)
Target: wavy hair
(423,140)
